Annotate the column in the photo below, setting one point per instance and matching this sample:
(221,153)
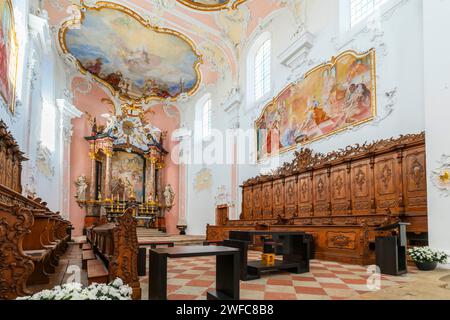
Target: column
(150,176)
(68,112)
(93,171)
(108,174)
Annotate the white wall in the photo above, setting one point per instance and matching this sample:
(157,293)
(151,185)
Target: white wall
(437,112)
(396,34)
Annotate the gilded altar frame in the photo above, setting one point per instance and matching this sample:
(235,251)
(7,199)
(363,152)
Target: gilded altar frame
(330,64)
(109,5)
(14,51)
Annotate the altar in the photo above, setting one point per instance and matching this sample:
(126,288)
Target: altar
(127,168)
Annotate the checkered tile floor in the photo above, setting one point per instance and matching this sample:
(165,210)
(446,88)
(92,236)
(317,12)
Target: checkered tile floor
(191,278)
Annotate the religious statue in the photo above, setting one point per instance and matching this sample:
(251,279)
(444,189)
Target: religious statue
(82,185)
(169,197)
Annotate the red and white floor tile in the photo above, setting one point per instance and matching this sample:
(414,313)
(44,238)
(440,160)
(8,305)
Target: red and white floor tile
(191,278)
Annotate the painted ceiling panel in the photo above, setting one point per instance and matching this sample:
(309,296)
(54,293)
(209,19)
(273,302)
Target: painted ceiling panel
(132,58)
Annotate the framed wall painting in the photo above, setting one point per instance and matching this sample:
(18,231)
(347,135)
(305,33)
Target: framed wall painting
(330,98)
(8,55)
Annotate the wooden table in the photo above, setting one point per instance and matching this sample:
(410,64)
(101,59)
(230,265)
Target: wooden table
(295,250)
(227,270)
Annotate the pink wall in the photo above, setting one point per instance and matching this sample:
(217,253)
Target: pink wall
(80,162)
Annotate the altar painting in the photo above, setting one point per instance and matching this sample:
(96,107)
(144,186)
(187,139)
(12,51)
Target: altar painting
(137,60)
(128,170)
(8,54)
(332,97)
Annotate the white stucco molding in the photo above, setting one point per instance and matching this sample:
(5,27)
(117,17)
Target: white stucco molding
(68,109)
(68,112)
(297,52)
(40,29)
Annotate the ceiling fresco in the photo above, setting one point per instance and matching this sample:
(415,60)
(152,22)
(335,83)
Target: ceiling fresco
(134,59)
(212,5)
(216,37)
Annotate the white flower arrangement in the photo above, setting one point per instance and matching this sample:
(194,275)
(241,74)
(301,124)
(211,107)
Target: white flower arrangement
(115,290)
(426,254)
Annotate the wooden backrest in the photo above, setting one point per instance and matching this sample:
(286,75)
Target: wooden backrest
(382,178)
(15,266)
(33,240)
(11,159)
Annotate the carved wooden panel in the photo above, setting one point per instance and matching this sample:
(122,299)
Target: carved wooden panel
(305,200)
(247,203)
(362,187)
(415,180)
(290,186)
(278,198)
(15,267)
(10,160)
(388,185)
(341,240)
(321,193)
(123,263)
(267,200)
(340,190)
(257,201)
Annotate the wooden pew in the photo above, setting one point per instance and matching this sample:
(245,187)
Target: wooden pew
(32,238)
(15,265)
(116,247)
(34,248)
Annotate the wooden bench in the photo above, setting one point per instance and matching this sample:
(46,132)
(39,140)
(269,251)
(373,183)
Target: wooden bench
(34,248)
(86,246)
(32,237)
(87,255)
(97,272)
(116,247)
(15,265)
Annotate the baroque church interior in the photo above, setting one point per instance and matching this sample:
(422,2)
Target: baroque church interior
(224,149)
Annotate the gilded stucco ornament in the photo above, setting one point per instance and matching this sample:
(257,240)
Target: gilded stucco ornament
(212,5)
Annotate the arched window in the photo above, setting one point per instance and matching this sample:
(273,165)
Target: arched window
(360,9)
(206,119)
(262,70)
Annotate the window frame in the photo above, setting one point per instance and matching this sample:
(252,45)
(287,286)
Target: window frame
(262,77)
(253,48)
(206,115)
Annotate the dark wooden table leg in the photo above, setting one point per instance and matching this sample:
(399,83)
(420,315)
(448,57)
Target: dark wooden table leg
(227,278)
(157,286)
(243,257)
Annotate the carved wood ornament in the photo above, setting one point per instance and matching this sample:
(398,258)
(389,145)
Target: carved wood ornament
(340,197)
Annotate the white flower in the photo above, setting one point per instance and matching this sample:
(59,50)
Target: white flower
(75,291)
(117,283)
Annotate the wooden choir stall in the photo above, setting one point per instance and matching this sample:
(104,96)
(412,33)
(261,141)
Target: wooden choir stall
(32,237)
(127,167)
(114,251)
(340,198)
